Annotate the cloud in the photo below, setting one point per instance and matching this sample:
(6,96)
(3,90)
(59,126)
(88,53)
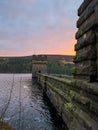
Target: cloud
(47,26)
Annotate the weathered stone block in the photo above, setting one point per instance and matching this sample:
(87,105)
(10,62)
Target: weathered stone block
(96,14)
(72,120)
(86,68)
(97,50)
(83,6)
(87,39)
(90,9)
(97,68)
(86,26)
(82,100)
(88,87)
(88,52)
(85,56)
(94,107)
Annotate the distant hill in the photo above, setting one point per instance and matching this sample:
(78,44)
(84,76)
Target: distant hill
(63,59)
(60,64)
(68,58)
(16,64)
(24,64)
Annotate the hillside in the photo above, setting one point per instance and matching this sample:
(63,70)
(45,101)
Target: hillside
(24,64)
(68,58)
(16,64)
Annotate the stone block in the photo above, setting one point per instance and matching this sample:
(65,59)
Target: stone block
(90,88)
(88,52)
(85,101)
(97,50)
(86,68)
(84,55)
(81,77)
(97,68)
(94,107)
(86,26)
(89,10)
(96,14)
(87,39)
(83,6)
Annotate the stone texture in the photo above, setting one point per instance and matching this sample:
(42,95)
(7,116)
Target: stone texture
(75,100)
(86,68)
(89,10)
(97,50)
(86,26)
(85,40)
(83,6)
(39,65)
(86,53)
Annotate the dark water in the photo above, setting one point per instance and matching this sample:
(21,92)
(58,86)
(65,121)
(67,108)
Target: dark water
(23,106)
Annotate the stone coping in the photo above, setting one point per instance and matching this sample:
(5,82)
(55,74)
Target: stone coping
(76,83)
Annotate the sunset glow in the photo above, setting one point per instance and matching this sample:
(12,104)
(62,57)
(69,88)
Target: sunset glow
(30,27)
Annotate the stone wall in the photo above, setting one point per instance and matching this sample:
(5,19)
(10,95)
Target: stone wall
(97,49)
(86,59)
(75,100)
(39,65)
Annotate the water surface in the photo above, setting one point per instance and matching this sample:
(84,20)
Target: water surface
(22,104)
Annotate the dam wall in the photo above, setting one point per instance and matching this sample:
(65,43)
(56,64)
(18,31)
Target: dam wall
(74,100)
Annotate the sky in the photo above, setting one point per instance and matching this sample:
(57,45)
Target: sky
(30,27)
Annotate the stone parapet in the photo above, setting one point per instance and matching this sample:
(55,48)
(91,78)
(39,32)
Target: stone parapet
(75,100)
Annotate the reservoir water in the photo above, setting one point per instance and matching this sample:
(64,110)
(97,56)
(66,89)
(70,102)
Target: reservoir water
(23,106)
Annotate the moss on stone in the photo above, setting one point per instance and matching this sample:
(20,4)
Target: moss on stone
(72,94)
(73,82)
(74,70)
(69,106)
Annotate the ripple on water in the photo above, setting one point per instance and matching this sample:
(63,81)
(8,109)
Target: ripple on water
(27,109)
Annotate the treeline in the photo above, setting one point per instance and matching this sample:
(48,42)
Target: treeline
(55,67)
(24,65)
(16,65)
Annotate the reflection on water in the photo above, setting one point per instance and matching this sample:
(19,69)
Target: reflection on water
(22,104)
